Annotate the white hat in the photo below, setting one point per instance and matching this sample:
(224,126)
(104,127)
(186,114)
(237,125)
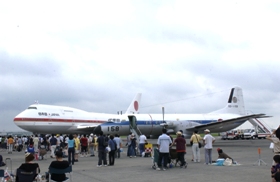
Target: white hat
(91,134)
(178,133)
(207,130)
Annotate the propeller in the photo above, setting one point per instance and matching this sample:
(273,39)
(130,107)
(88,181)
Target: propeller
(164,124)
(163,114)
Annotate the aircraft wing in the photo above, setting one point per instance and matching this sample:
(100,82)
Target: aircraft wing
(87,128)
(228,124)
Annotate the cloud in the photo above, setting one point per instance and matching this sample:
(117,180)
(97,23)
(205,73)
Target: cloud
(96,56)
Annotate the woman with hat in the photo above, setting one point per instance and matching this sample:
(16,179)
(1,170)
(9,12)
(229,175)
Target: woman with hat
(29,164)
(180,149)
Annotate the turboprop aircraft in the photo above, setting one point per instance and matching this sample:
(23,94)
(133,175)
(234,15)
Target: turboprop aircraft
(230,117)
(47,119)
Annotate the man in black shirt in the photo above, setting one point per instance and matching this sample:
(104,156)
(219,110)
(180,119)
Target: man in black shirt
(102,156)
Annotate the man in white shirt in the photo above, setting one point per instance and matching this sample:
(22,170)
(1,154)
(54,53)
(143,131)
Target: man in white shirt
(208,140)
(142,141)
(163,142)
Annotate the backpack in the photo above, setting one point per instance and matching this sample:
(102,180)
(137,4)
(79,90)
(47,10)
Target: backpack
(105,142)
(30,141)
(44,142)
(62,143)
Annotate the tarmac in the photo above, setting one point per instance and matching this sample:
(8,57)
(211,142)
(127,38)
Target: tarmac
(126,169)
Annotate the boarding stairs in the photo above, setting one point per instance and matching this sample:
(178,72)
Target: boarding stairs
(260,126)
(134,128)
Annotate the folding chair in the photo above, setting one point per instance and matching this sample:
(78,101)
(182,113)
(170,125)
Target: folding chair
(61,171)
(24,176)
(2,172)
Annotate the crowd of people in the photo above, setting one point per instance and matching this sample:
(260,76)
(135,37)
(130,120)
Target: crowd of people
(109,146)
(62,146)
(165,141)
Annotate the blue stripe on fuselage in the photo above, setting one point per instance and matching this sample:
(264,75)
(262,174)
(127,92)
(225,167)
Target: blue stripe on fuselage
(139,123)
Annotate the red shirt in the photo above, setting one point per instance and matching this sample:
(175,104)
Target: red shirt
(84,141)
(180,144)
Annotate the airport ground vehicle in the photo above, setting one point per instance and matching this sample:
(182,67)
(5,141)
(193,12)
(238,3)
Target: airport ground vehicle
(231,135)
(252,134)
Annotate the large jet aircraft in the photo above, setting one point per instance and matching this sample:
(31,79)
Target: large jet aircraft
(47,119)
(230,117)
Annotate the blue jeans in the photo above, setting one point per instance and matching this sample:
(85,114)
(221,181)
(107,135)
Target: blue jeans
(71,155)
(131,150)
(141,148)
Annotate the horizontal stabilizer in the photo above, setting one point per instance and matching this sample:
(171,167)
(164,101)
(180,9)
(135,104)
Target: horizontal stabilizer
(228,124)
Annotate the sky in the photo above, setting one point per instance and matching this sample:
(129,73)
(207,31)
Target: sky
(184,55)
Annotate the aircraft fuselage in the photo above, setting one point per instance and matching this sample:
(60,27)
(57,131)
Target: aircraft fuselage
(152,124)
(40,118)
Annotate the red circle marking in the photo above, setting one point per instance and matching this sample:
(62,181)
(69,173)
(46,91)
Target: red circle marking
(136,105)
(220,120)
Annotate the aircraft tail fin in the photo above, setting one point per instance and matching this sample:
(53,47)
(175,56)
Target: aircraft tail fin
(134,105)
(235,104)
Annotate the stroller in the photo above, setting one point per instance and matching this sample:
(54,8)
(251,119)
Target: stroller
(155,158)
(173,159)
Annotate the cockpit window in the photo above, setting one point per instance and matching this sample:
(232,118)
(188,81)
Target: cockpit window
(114,120)
(32,107)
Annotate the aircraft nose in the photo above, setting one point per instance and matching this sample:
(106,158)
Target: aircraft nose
(97,130)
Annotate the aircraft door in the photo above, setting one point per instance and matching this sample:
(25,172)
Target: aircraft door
(132,122)
(49,119)
(73,121)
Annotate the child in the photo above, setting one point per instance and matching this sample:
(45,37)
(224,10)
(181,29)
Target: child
(276,167)
(31,149)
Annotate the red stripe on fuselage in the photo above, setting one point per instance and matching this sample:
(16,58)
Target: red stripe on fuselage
(56,120)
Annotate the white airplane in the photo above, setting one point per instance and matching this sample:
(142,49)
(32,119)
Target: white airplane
(47,119)
(230,117)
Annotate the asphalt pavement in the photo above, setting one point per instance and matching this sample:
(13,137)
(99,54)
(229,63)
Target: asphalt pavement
(126,169)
